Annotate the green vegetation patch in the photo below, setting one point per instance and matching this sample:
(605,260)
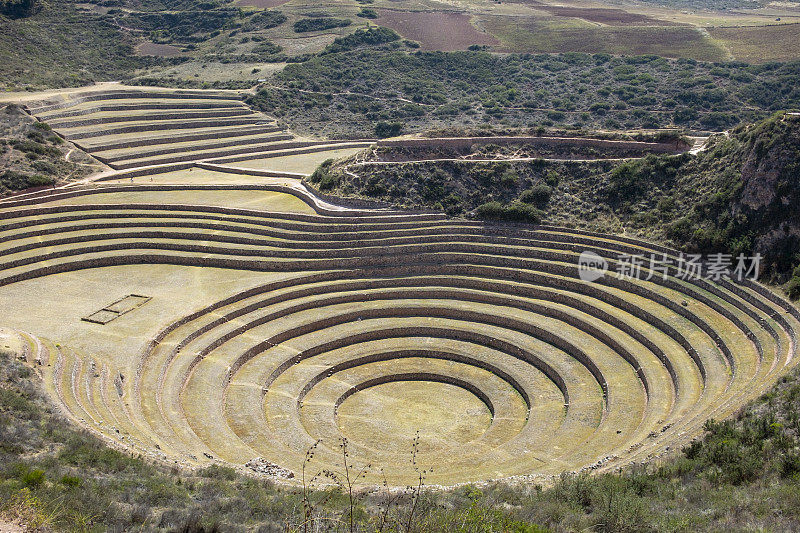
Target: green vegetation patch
(372,36)
(743,470)
(426,90)
(31,155)
(182,26)
(741,195)
(264,20)
(18,8)
(59,46)
(320,24)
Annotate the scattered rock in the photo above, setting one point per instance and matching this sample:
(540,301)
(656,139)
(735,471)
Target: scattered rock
(262,466)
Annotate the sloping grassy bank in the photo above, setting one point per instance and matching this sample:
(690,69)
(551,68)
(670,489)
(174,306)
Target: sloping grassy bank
(743,475)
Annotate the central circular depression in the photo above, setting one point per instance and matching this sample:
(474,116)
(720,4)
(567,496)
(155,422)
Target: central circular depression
(386,417)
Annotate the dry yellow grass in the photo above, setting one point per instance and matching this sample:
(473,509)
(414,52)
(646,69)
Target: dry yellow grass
(370,327)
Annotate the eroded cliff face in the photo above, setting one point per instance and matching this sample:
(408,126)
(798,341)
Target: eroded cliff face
(771,163)
(768,205)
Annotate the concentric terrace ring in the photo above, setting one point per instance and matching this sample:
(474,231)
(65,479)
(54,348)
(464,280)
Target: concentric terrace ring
(374,326)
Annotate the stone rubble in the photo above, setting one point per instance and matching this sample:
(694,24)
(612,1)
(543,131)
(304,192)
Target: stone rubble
(262,466)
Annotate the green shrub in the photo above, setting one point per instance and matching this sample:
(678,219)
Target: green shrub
(324,178)
(71,481)
(18,8)
(266,48)
(189,26)
(552,178)
(793,287)
(37,180)
(219,472)
(631,178)
(81,452)
(514,212)
(388,129)
(790,465)
(264,20)
(33,147)
(32,478)
(537,195)
(509,178)
(17,181)
(372,36)
(320,24)
(367,13)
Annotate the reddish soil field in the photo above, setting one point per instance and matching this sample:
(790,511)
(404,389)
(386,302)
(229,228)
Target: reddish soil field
(611,17)
(261,3)
(436,31)
(160,50)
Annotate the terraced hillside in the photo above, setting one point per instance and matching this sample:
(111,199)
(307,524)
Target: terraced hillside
(129,128)
(253,320)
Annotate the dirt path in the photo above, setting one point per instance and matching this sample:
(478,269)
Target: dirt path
(10,527)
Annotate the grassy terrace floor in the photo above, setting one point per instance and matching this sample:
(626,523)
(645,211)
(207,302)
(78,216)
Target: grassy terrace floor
(132,128)
(277,321)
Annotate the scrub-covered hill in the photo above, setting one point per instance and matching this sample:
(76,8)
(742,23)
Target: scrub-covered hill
(751,196)
(740,195)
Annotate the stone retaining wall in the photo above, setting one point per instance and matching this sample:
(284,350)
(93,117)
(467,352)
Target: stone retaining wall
(166,126)
(465,143)
(134,107)
(125,94)
(182,115)
(154,141)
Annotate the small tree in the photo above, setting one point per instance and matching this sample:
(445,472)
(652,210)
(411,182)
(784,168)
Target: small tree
(385,129)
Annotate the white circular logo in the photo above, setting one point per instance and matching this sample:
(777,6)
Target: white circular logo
(591,266)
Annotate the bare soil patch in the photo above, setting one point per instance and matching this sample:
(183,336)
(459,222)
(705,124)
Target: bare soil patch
(611,17)
(436,31)
(160,50)
(262,3)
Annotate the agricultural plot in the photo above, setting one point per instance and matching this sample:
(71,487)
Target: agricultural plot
(759,44)
(556,34)
(529,26)
(131,128)
(271,328)
(436,30)
(300,164)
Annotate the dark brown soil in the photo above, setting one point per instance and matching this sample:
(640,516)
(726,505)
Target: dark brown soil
(436,31)
(611,17)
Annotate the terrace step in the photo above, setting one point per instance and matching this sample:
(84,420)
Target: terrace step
(157,125)
(325,146)
(79,111)
(130,94)
(615,368)
(178,147)
(113,118)
(237,153)
(193,134)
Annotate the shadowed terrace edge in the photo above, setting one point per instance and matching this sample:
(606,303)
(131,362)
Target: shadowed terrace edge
(269,330)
